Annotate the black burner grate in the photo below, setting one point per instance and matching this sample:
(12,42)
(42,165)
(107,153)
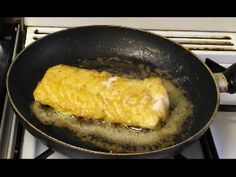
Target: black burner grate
(45,154)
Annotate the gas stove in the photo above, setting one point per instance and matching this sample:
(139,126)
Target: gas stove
(218,142)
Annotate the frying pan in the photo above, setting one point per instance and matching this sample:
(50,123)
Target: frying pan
(74,45)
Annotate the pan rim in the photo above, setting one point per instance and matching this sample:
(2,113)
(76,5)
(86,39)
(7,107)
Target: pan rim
(77,148)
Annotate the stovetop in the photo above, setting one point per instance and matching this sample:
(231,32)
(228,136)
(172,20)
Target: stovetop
(19,143)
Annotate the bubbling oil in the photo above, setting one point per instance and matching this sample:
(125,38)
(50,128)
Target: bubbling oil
(119,138)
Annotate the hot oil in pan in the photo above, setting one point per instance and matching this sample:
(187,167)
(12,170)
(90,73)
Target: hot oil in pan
(119,138)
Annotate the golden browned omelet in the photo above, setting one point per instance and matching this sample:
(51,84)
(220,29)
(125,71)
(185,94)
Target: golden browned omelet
(98,95)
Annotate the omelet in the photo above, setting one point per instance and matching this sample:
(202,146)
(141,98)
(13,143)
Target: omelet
(100,95)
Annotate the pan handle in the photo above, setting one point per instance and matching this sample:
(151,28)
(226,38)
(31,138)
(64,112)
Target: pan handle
(227,79)
(230,75)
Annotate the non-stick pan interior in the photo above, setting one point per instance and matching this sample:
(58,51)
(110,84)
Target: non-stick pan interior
(75,45)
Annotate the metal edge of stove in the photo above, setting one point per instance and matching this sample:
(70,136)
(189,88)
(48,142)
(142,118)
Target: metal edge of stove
(8,128)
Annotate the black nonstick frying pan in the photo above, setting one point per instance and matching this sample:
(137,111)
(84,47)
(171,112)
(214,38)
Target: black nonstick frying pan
(74,45)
